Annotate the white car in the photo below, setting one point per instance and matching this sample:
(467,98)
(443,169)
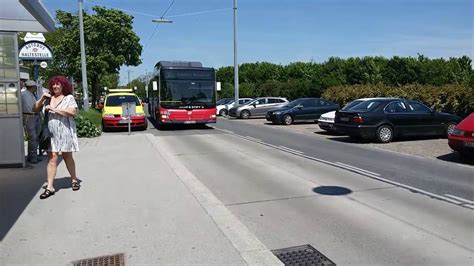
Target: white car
(326,120)
(223,109)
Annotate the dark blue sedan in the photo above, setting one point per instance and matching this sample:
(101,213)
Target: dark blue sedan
(303,109)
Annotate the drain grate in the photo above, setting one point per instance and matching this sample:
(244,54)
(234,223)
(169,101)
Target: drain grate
(111,260)
(302,255)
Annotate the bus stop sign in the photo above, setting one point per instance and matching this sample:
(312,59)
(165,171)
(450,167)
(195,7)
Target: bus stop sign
(128,109)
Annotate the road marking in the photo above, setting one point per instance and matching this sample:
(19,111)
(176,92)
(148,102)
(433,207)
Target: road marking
(368,174)
(253,139)
(460,199)
(225,130)
(356,168)
(290,150)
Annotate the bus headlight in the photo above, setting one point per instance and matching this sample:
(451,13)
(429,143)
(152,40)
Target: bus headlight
(213,116)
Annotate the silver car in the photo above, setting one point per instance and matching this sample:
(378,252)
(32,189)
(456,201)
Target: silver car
(258,107)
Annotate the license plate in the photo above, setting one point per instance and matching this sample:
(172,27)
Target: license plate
(190,122)
(469,144)
(345,119)
(125,121)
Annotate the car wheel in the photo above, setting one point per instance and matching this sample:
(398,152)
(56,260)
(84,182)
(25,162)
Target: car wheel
(384,133)
(223,112)
(449,128)
(244,114)
(287,120)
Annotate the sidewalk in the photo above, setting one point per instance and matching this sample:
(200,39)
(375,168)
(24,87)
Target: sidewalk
(131,202)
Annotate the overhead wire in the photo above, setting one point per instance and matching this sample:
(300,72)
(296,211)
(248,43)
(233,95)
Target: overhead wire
(156,26)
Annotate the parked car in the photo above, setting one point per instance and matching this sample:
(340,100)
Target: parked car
(224,101)
(461,139)
(303,109)
(257,108)
(223,109)
(326,121)
(384,119)
(112,112)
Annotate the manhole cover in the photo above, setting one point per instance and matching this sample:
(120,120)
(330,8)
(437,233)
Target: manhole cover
(302,255)
(111,260)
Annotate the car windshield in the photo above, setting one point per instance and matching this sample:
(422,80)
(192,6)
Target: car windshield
(366,106)
(117,100)
(294,103)
(251,102)
(351,104)
(224,101)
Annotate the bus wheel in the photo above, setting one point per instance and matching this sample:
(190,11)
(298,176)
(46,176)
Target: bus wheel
(245,114)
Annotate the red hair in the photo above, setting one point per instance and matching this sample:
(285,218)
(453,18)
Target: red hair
(65,84)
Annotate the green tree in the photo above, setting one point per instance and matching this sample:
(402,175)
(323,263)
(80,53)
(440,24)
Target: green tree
(110,43)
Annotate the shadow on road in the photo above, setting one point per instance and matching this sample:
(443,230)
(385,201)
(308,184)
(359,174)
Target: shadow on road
(18,187)
(347,139)
(332,190)
(455,157)
(327,133)
(152,124)
(294,123)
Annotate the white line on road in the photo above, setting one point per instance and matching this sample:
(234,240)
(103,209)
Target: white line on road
(369,174)
(290,150)
(460,199)
(356,168)
(254,139)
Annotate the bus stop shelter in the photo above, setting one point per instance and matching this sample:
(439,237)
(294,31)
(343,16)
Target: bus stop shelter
(15,16)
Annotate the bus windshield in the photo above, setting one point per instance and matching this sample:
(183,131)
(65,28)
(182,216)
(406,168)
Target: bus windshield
(188,94)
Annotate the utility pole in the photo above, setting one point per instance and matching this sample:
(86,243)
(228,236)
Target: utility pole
(129,77)
(146,83)
(236,64)
(83,60)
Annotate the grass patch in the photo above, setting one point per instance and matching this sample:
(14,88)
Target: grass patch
(93,115)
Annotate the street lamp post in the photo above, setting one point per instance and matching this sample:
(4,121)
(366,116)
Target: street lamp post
(83,60)
(236,64)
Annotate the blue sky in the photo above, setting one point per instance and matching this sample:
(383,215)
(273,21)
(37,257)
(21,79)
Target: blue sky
(285,31)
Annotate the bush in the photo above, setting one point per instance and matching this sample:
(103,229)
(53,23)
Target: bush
(456,99)
(85,128)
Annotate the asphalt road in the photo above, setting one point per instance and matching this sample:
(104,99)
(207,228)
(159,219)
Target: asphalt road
(287,200)
(433,176)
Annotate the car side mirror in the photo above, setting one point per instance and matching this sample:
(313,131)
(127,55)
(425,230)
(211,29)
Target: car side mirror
(254,104)
(432,111)
(299,106)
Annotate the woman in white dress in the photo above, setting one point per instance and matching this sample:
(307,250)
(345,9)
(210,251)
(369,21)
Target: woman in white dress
(61,108)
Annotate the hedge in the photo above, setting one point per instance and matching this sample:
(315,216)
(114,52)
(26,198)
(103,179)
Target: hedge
(456,99)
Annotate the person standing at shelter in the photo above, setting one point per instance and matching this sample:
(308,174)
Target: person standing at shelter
(61,108)
(30,119)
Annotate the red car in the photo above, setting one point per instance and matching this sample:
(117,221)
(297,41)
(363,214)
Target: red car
(461,138)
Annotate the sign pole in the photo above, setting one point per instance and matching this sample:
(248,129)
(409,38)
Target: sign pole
(36,71)
(129,119)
